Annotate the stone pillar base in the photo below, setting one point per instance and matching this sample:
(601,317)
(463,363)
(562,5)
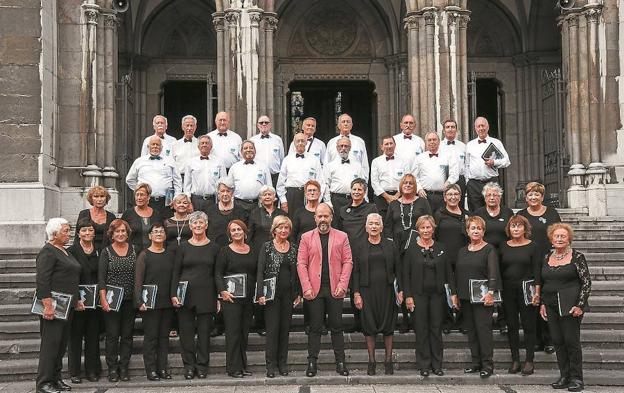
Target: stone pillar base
(596,178)
(577,196)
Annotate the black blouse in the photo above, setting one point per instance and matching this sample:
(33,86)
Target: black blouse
(56,271)
(303,221)
(88,262)
(476,265)
(417,259)
(539,225)
(495,225)
(519,263)
(218,222)
(154,269)
(397,227)
(230,262)
(283,265)
(140,226)
(352,220)
(196,264)
(177,232)
(555,278)
(101,239)
(451,231)
(260,222)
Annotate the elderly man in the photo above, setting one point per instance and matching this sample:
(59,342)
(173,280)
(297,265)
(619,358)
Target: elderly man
(160,173)
(358,147)
(297,169)
(340,173)
(434,170)
(249,175)
(453,146)
(484,157)
(313,146)
(269,148)
(226,143)
(159,123)
(324,265)
(185,148)
(202,175)
(386,173)
(408,144)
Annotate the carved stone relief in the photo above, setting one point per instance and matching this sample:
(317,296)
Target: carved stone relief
(331,31)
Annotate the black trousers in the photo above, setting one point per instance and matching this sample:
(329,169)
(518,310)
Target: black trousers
(339,200)
(382,205)
(247,204)
(435,199)
(295,199)
(566,336)
(461,182)
(119,328)
(54,338)
(474,189)
(203,203)
(156,325)
(195,354)
(513,302)
(278,315)
(427,321)
(324,303)
(478,321)
(158,204)
(85,326)
(237,317)
(274,178)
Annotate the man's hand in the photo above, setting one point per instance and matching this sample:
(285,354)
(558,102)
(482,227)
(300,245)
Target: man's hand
(489,162)
(422,193)
(284,206)
(340,292)
(307,295)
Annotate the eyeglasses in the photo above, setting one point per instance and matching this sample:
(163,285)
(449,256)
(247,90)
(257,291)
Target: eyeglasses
(452,194)
(158,232)
(264,122)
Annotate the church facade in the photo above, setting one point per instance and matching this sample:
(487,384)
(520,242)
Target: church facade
(81,80)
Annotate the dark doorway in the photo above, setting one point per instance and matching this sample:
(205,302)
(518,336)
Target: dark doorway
(325,101)
(183,98)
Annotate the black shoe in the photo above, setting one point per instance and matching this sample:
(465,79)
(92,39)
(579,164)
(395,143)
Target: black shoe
(438,372)
(549,349)
(485,373)
(341,368)
(270,374)
(62,386)
(47,388)
(472,370)
(561,383)
(93,378)
(189,374)
(503,330)
(164,374)
(261,332)
(324,331)
(514,368)
(216,332)
(236,374)
(528,368)
(124,375)
(283,370)
(463,331)
(75,379)
(372,368)
(311,370)
(202,374)
(113,376)
(424,373)
(153,376)
(247,373)
(388,368)
(446,331)
(576,385)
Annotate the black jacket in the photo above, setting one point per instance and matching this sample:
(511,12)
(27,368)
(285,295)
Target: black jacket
(413,262)
(360,276)
(57,272)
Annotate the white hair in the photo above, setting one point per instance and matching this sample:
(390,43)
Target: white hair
(492,186)
(198,215)
(226,181)
(264,189)
(54,225)
(189,117)
(372,216)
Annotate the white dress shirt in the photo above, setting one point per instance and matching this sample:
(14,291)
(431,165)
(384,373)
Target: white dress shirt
(160,173)
(296,171)
(457,149)
(167,145)
(183,152)
(339,175)
(433,171)
(314,146)
(202,176)
(408,149)
(358,150)
(475,165)
(269,151)
(386,174)
(226,148)
(249,178)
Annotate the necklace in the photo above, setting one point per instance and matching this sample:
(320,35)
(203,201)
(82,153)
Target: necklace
(281,247)
(561,256)
(180,229)
(409,225)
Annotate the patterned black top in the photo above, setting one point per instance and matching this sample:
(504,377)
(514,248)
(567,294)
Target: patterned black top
(117,270)
(551,286)
(283,265)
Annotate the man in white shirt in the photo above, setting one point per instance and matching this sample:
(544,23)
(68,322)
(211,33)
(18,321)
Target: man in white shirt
(453,146)
(159,123)
(387,170)
(482,170)
(248,175)
(202,176)
(358,147)
(297,169)
(314,146)
(434,170)
(340,173)
(160,173)
(226,143)
(185,148)
(269,148)
(408,144)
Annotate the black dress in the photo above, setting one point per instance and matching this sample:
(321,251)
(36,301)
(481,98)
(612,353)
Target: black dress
(303,221)
(260,222)
(539,225)
(177,231)
(495,225)
(218,221)
(140,227)
(101,239)
(398,223)
(451,230)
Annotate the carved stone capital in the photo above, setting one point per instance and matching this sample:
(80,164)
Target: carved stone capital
(232,17)
(92,13)
(255,17)
(270,23)
(592,14)
(411,22)
(218,20)
(453,18)
(430,16)
(572,19)
(110,21)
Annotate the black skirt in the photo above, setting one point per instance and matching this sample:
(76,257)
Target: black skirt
(379,312)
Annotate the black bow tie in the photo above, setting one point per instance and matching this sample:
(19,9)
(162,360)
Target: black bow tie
(346,161)
(433,155)
(222,133)
(161,136)
(297,155)
(310,139)
(389,158)
(248,162)
(264,136)
(407,137)
(482,140)
(450,142)
(204,158)
(188,140)
(155,157)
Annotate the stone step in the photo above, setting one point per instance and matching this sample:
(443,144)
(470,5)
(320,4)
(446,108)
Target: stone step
(596,246)
(607,288)
(606,273)
(17,280)
(17,265)
(606,304)
(604,258)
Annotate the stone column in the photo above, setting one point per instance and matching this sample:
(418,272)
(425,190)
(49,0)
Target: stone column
(413,64)
(270,26)
(109,172)
(218,20)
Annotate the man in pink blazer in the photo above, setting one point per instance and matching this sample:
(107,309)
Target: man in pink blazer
(324,266)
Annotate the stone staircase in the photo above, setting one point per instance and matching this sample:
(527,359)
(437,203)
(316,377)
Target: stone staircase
(601,239)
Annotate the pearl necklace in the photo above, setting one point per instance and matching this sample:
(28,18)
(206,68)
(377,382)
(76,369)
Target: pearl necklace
(561,256)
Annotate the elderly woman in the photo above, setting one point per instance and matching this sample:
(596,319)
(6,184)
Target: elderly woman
(426,268)
(154,266)
(376,266)
(451,231)
(195,263)
(520,262)
(85,325)
(303,219)
(566,284)
(226,211)
(177,227)
(237,258)
(540,217)
(98,197)
(278,259)
(478,261)
(141,217)
(117,267)
(261,218)
(57,271)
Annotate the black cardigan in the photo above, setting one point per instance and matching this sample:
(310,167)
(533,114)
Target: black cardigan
(414,269)
(360,276)
(56,271)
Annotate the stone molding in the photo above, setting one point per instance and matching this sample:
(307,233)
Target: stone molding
(331,77)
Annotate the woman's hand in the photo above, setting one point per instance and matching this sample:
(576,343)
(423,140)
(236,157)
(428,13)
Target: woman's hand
(176,302)
(79,306)
(576,311)
(143,307)
(536,300)
(105,306)
(543,313)
(48,308)
(455,301)
(488,300)
(262,300)
(399,297)
(227,297)
(297,301)
(409,304)
(357,300)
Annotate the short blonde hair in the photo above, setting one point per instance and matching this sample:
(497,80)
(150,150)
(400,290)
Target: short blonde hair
(559,225)
(179,197)
(97,190)
(475,219)
(403,181)
(280,220)
(424,218)
(145,187)
(535,186)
